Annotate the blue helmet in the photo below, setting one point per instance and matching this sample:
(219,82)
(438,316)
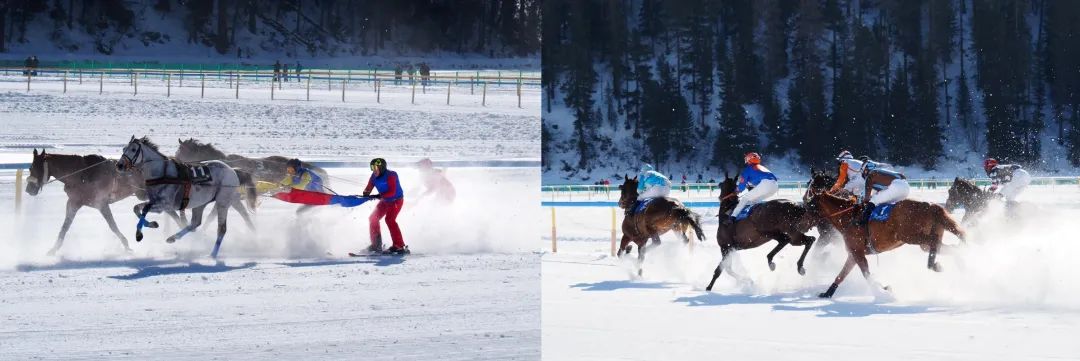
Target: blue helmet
(294,164)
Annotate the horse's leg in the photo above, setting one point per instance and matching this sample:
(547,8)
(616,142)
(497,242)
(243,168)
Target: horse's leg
(640,255)
(864,266)
(781,241)
(141,210)
(724,251)
(931,262)
(808,242)
(223,214)
(180,222)
(72,208)
(196,220)
(624,246)
(848,265)
(238,205)
(107,213)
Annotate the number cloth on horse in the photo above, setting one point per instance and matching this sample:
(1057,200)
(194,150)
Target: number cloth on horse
(881,212)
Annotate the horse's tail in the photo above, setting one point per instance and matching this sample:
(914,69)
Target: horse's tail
(942,217)
(248,184)
(686,216)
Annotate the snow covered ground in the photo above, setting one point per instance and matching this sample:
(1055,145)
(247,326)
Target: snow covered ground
(285,290)
(1010,294)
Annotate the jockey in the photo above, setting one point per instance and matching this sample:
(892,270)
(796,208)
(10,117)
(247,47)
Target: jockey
(850,177)
(652,184)
(1009,180)
(435,182)
(759,180)
(891,187)
(391,198)
(299,177)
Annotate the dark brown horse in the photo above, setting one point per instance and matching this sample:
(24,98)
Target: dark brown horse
(777,220)
(964,193)
(911,222)
(267,169)
(659,216)
(89,181)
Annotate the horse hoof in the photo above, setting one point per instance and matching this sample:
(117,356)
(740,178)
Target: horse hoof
(936,268)
(824,295)
(802,271)
(171,239)
(138,236)
(52,252)
(151,224)
(772,266)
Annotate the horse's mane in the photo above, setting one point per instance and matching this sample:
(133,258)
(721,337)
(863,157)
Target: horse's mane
(195,143)
(145,140)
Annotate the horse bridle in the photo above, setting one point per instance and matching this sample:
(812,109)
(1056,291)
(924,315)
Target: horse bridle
(129,162)
(39,183)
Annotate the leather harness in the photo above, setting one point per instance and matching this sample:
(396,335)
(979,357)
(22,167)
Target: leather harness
(183,178)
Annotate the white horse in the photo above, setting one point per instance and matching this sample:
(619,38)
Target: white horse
(174,186)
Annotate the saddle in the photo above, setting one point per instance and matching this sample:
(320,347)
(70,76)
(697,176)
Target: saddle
(745,212)
(639,206)
(186,175)
(881,212)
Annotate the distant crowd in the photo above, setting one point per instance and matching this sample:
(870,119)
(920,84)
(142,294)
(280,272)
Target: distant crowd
(281,71)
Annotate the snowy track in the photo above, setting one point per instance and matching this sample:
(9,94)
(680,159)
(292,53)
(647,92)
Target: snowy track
(285,290)
(1010,295)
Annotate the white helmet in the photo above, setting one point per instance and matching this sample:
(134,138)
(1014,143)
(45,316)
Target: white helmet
(844,155)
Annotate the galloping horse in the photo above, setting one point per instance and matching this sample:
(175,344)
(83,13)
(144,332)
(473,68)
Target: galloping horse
(268,169)
(659,216)
(964,193)
(911,222)
(779,219)
(172,186)
(89,181)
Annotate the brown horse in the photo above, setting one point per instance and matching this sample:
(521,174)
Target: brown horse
(89,181)
(660,216)
(964,193)
(781,220)
(911,222)
(268,169)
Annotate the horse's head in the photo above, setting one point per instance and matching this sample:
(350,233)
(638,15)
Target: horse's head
(826,205)
(962,193)
(628,192)
(819,182)
(39,173)
(729,196)
(136,153)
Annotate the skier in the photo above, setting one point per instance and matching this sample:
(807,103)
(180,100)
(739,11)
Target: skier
(850,177)
(391,198)
(891,187)
(299,177)
(759,180)
(1008,180)
(435,182)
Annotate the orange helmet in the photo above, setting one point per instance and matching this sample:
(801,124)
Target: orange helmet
(752,158)
(989,164)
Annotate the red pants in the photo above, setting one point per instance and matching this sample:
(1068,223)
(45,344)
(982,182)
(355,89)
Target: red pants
(390,210)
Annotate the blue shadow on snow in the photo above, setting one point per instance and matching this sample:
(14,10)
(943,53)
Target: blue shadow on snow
(806,302)
(617,285)
(144,272)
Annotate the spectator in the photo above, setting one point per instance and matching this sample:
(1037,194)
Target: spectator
(298,69)
(425,73)
(277,69)
(397,74)
(285,72)
(411,71)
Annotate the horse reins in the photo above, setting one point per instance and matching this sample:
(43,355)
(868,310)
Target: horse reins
(842,211)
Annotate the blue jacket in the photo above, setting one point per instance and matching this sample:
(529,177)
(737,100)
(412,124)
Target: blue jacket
(388,185)
(752,174)
(650,178)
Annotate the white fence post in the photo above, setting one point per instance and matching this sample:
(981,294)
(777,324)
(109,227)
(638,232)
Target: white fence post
(202,86)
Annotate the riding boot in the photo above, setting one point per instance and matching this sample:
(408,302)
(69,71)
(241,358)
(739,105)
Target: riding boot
(865,217)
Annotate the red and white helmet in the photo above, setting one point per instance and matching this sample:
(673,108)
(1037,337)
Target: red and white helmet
(989,164)
(752,158)
(844,155)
